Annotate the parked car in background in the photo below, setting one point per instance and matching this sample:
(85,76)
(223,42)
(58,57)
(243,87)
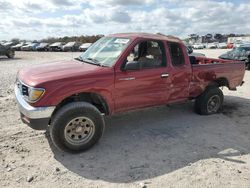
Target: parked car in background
(43,47)
(211,45)
(245,44)
(189,48)
(119,73)
(222,45)
(6,50)
(238,43)
(71,46)
(198,46)
(84,47)
(192,53)
(9,43)
(56,47)
(30,47)
(241,53)
(18,46)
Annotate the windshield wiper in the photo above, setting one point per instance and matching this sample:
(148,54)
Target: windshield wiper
(79,59)
(91,61)
(88,60)
(94,61)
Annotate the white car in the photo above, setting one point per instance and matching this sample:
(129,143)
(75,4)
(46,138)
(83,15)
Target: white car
(245,44)
(56,47)
(211,45)
(198,46)
(222,45)
(84,46)
(239,44)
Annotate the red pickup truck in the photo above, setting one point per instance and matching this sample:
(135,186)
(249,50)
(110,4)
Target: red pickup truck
(118,73)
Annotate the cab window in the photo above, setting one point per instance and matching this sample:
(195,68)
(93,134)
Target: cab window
(176,54)
(150,54)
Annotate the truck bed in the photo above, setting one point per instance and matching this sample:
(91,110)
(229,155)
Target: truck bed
(206,70)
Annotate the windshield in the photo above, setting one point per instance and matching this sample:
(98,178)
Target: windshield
(105,51)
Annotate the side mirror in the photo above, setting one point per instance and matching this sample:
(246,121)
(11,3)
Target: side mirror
(132,65)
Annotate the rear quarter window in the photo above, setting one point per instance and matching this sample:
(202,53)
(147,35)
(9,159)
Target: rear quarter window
(176,54)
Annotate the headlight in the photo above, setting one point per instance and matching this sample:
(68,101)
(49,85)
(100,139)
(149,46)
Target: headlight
(34,94)
(30,94)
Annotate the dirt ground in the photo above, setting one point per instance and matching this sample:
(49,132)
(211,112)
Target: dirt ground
(168,146)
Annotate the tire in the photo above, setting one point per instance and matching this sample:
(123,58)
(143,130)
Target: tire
(11,54)
(87,130)
(209,102)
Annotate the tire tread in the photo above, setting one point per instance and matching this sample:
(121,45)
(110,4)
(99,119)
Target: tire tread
(70,110)
(200,105)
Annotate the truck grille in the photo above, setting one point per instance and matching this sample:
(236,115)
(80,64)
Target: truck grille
(22,88)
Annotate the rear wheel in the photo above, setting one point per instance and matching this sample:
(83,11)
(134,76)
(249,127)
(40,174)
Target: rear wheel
(209,102)
(76,127)
(11,54)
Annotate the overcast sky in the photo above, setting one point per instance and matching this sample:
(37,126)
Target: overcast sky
(30,19)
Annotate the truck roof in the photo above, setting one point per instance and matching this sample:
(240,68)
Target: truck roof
(147,36)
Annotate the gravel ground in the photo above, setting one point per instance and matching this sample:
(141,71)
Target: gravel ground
(168,146)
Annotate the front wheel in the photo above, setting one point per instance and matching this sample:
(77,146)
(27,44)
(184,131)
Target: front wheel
(76,127)
(209,102)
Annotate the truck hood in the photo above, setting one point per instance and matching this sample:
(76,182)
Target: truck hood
(40,74)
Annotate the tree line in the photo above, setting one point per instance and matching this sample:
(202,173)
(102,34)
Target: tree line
(65,39)
(80,39)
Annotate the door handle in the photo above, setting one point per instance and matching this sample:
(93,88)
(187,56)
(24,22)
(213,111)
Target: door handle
(165,75)
(127,79)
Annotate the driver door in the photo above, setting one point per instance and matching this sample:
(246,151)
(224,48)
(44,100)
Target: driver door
(146,86)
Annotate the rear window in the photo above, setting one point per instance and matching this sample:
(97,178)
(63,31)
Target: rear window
(176,54)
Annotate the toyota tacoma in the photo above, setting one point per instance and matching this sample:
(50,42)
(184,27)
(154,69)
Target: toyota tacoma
(118,73)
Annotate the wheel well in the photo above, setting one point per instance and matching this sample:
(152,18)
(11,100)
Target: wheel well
(97,100)
(220,82)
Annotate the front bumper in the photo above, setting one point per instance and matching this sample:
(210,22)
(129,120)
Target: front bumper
(36,117)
